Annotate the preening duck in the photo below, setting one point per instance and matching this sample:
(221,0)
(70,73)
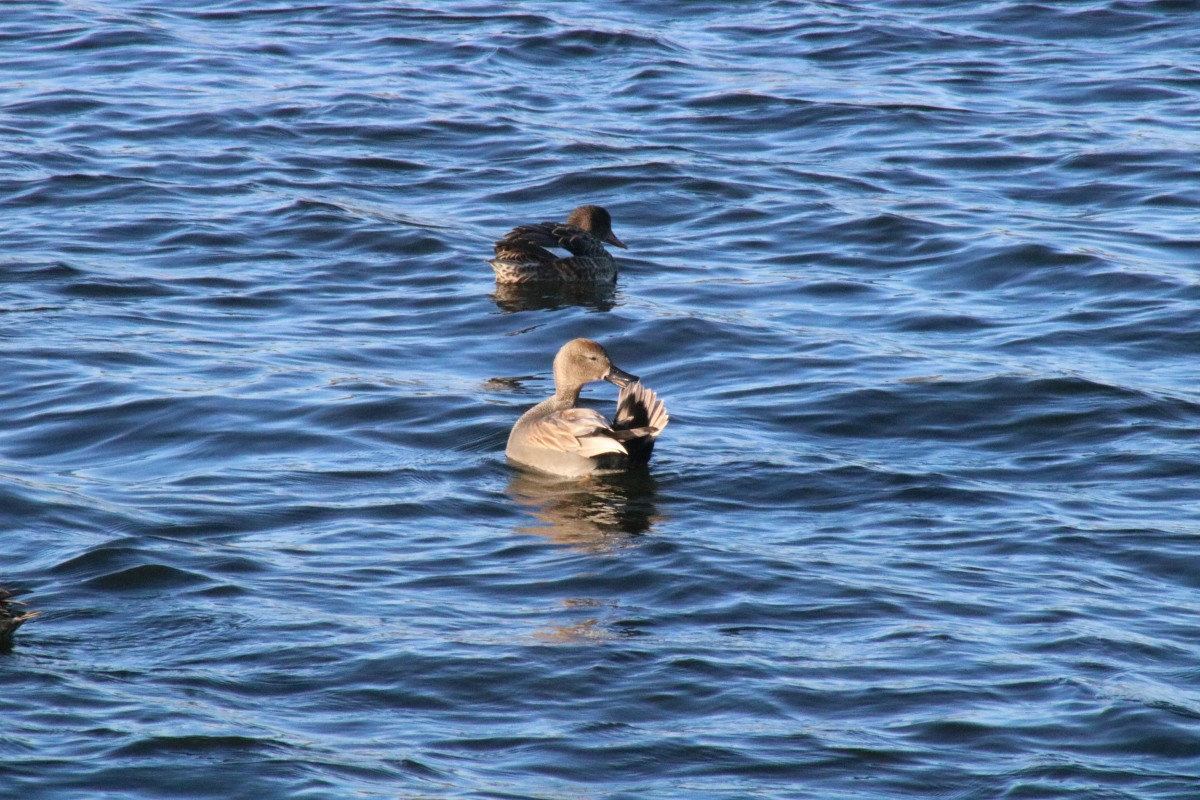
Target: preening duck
(561,438)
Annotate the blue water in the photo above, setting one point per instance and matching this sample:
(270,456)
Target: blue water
(918,282)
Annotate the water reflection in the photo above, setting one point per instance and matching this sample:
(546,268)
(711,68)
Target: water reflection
(542,296)
(598,513)
(590,630)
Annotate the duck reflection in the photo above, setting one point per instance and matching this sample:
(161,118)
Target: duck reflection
(598,513)
(512,297)
(589,630)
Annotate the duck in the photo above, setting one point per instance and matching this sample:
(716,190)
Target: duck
(10,617)
(558,437)
(522,257)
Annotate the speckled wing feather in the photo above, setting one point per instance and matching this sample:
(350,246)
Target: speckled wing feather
(527,243)
(579,242)
(575,241)
(582,431)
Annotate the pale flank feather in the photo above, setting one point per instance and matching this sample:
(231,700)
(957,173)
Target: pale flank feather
(592,446)
(574,430)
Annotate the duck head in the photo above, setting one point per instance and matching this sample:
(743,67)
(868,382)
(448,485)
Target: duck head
(596,221)
(581,361)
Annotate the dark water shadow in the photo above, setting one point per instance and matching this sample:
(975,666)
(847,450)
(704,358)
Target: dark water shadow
(548,296)
(596,513)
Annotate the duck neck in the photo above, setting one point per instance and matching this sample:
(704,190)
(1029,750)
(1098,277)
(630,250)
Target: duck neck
(566,396)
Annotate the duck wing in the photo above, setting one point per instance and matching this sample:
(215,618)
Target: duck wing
(527,244)
(573,239)
(639,408)
(640,418)
(582,431)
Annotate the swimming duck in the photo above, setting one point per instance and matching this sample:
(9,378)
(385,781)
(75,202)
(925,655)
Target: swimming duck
(561,438)
(10,617)
(522,257)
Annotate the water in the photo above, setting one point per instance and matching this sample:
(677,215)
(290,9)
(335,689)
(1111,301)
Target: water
(918,283)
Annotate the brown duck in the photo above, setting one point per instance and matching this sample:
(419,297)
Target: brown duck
(522,255)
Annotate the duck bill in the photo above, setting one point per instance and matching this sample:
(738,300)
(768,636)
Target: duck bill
(620,377)
(612,239)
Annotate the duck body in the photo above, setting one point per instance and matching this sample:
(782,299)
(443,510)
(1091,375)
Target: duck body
(560,438)
(523,254)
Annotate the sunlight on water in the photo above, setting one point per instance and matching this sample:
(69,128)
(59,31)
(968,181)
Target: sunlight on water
(918,285)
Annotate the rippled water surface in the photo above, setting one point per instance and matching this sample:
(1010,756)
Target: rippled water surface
(917,281)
